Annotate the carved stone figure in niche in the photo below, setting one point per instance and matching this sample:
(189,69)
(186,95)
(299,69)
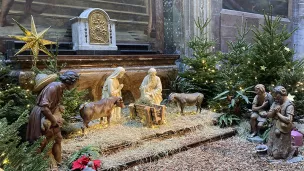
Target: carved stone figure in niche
(282,110)
(260,105)
(46,104)
(112,88)
(151,88)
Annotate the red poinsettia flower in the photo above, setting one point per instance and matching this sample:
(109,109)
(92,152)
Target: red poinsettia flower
(81,163)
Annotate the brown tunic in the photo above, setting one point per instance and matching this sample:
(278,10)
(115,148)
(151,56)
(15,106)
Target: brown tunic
(49,97)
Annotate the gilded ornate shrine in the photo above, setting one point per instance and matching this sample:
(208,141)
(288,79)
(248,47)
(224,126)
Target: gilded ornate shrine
(93,30)
(99,27)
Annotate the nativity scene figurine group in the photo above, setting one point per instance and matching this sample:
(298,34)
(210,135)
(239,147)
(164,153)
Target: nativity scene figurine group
(46,117)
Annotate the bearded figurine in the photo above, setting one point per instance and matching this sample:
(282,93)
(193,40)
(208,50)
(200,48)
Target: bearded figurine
(151,88)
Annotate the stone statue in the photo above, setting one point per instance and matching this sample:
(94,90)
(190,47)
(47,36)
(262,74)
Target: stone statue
(260,106)
(151,88)
(112,88)
(46,103)
(279,140)
(6,6)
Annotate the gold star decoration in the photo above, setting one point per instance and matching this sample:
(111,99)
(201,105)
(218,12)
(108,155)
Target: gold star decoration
(33,40)
(290,97)
(263,68)
(287,49)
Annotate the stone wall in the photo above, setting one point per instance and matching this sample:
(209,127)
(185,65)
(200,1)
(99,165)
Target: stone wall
(231,21)
(225,24)
(297,18)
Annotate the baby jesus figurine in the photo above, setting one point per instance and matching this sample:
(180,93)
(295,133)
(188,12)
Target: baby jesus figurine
(46,124)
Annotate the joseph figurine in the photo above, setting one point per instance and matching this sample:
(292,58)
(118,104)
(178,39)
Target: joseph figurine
(151,87)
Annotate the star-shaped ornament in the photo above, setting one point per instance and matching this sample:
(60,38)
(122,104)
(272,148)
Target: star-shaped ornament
(287,49)
(263,68)
(290,97)
(33,40)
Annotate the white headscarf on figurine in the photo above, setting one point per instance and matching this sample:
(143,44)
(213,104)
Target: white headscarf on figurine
(116,73)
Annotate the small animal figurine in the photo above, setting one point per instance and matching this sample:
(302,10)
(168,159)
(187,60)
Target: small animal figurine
(183,99)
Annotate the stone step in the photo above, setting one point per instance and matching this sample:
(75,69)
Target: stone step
(64,33)
(42,4)
(122,13)
(60,21)
(91,2)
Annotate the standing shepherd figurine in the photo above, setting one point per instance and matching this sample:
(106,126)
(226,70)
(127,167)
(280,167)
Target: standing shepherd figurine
(47,102)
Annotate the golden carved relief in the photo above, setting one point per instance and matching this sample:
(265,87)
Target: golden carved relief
(98,28)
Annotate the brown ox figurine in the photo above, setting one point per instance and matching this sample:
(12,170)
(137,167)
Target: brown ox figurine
(99,109)
(183,100)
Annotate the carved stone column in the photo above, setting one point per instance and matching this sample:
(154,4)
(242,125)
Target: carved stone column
(297,17)
(159,24)
(151,25)
(194,10)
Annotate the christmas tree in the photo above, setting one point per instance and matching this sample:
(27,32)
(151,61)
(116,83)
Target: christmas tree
(234,64)
(201,69)
(270,54)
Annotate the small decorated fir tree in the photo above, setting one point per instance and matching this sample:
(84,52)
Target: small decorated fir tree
(233,67)
(201,69)
(270,54)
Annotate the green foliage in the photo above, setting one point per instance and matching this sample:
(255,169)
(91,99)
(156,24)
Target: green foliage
(14,101)
(51,64)
(265,135)
(201,72)
(16,156)
(231,102)
(92,151)
(182,85)
(72,99)
(228,120)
